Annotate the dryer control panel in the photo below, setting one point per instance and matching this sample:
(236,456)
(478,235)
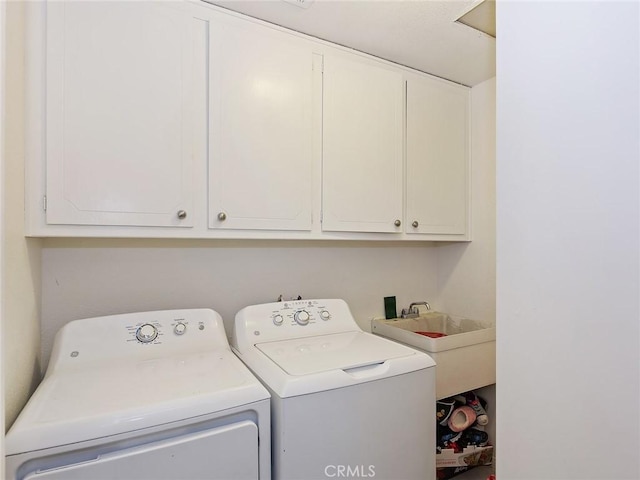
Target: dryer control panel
(160,329)
(293,319)
(137,336)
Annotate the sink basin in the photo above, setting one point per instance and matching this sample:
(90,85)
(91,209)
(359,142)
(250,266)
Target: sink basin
(465,356)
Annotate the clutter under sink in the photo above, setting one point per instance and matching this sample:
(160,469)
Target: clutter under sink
(463,349)
(462,442)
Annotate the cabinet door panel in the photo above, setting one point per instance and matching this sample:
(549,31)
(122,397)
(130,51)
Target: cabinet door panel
(362,147)
(261,129)
(437,157)
(118,150)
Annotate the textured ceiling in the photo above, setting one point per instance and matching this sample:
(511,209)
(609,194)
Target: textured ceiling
(420,34)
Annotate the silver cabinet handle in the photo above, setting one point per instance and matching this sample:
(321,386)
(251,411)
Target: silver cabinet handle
(182,214)
(415,224)
(397,223)
(222,216)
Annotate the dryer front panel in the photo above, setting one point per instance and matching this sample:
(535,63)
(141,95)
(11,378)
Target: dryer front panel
(229,451)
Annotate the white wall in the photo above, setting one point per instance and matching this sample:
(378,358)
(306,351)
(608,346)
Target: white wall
(2,122)
(467,271)
(85,278)
(568,240)
(21,268)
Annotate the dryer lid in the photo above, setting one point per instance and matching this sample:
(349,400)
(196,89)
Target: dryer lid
(88,403)
(323,353)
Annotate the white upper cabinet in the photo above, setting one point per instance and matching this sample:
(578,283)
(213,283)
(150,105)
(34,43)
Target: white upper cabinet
(362,145)
(146,117)
(118,114)
(437,166)
(261,136)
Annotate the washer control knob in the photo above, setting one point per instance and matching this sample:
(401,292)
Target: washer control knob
(278,319)
(301,317)
(180,328)
(325,315)
(146,333)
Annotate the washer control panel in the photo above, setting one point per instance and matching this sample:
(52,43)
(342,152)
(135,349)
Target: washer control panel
(300,312)
(302,317)
(292,319)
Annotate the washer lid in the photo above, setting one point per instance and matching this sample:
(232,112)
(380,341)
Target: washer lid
(323,353)
(96,401)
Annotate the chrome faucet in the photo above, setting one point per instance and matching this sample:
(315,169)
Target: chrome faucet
(413,311)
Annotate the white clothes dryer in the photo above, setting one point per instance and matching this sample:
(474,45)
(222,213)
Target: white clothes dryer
(153,395)
(345,403)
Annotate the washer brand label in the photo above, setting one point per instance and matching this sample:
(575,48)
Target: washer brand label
(350,471)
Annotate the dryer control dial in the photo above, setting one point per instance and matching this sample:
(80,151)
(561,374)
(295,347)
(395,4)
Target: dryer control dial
(180,328)
(301,317)
(278,319)
(146,333)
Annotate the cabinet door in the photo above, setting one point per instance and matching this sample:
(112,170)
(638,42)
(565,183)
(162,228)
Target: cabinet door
(362,146)
(118,114)
(437,157)
(261,128)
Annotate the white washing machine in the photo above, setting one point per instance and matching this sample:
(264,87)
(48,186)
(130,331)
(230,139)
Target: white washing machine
(344,403)
(154,395)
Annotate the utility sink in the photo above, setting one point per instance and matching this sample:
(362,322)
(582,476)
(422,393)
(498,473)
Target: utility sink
(464,350)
